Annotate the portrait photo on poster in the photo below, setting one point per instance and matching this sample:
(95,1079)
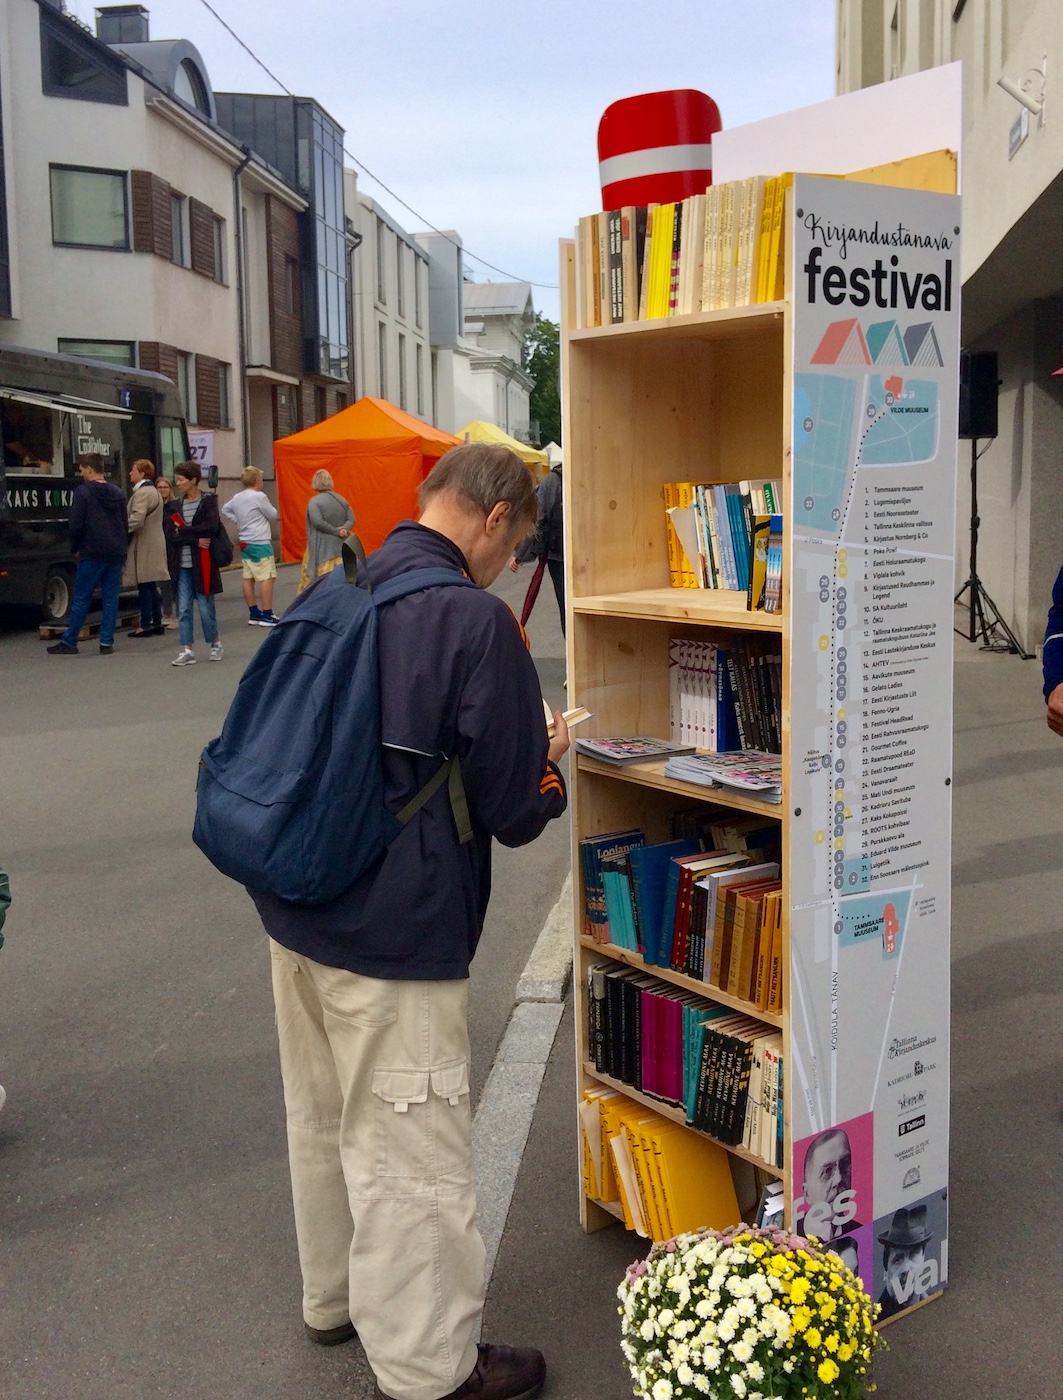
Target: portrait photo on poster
(834,1179)
(911,1253)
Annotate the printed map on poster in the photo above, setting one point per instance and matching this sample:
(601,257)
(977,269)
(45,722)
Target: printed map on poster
(875,357)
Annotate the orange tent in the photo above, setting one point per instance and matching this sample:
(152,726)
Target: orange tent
(378,456)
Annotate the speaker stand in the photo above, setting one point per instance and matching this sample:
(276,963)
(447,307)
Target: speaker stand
(983,616)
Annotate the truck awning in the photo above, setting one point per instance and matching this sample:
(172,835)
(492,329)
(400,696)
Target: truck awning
(67,403)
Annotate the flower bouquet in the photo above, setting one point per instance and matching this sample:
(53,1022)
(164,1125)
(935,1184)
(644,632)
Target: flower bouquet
(746,1313)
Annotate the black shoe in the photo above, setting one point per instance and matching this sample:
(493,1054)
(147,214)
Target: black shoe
(61,649)
(144,632)
(500,1373)
(106,650)
(331,1336)
(159,631)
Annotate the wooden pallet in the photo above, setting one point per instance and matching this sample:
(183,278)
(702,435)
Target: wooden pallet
(52,631)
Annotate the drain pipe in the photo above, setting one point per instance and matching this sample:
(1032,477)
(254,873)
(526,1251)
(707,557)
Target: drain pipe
(241,320)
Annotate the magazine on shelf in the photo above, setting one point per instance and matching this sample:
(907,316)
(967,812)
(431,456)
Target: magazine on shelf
(639,749)
(751,771)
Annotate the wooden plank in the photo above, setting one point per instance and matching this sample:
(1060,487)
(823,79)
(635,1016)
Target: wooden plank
(52,631)
(728,324)
(652,775)
(677,1116)
(718,607)
(680,979)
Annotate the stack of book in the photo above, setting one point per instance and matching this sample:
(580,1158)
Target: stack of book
(714,250)
(714,915)
(668,1181)
(727,536)
(752,773)
(726,698)
(688,1052)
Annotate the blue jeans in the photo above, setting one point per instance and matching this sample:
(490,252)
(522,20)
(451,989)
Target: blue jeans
(186,591)
(150,605)
(93,574)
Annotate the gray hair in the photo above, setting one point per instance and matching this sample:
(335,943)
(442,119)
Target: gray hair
(322,480)
(481,475)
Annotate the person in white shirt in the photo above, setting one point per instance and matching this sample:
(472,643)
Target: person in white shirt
(253,514)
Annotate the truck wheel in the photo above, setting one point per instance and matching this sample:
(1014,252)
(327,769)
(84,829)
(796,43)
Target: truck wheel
(58,595)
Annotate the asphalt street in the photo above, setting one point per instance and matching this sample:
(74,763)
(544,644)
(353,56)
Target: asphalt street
(145,1222)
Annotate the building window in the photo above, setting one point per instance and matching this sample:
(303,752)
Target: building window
(186,386)
(400,276)
(113,352)
(381,265)
(90,208)
(382,358)
(341,400)
(219,250)
(291,285)
(189,86)
(418,313)
(73,66)
(179,232)
(402,371)
(320,403)
(418,377)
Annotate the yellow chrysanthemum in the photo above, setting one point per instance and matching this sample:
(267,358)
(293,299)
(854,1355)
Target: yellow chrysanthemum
(813,1336)
(800,1318)
(827,1371)
(832,1342)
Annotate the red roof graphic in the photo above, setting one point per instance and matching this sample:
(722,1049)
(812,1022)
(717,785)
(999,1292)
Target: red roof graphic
(842,343)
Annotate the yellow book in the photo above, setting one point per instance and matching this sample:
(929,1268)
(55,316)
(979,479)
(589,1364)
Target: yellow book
(650,1132)
(693,253)
(776,279)
(688,578)
(647,256)
(765,948)
(696,1177)
(764,238)
(754,217)
(670,492)
(775,977)
(759,571)
(600,1097)
(725,271)
(712,233)
(661,261)
(634,1130)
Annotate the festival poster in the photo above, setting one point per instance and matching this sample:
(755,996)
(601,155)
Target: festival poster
(875,295)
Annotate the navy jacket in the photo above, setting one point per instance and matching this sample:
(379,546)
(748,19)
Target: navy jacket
(455,673)
(206,524)
(548,539)
(1052,655)
(99,527)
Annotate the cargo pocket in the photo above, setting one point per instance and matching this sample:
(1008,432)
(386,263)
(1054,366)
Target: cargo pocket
(424,1125)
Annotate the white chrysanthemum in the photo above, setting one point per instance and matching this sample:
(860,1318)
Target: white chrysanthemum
(662,1390)
(738,1385)
(666,1317)
(701,1383)
(761,1288)
(746,1307)
(647,1331)
(703,1308)
(727,1331)
(751,1335)
(710,1358)
(788,1366)
(680,1352)
(709,1332)
(683,1374)
(755,1371)
(732,1317)
(742,1351)
(677,1283)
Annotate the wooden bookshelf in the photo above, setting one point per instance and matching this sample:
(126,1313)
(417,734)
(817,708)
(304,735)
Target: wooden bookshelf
(728,324)
(667,1110)
(652,775)
(716,607)
(679,979)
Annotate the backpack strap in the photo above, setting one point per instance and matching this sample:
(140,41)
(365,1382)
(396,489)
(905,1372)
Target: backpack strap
(449,772)
(353,555)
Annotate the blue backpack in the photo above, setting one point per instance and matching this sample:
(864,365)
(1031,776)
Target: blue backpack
(290,797)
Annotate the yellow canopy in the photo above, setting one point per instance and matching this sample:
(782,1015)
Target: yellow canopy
(479,431)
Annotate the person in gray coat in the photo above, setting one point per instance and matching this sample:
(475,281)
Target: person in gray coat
(329,520)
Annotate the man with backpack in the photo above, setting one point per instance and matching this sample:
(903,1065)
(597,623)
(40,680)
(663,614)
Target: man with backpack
(99,538)
(371,986)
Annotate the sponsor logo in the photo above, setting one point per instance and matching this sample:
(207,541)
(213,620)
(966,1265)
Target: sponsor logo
(912,1177)
(912,1125)
(920,1068)
(908,1045)
(907,1101)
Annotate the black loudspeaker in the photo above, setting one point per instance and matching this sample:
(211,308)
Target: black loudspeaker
(978,393)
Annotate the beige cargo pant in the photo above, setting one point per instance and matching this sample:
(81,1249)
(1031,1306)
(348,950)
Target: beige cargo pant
(376,1090)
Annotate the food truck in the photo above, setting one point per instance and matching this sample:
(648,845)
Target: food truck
(53,410)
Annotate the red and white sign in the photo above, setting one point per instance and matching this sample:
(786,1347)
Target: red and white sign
(657,147)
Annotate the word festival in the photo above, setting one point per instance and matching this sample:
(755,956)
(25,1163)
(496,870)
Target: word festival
(892,288)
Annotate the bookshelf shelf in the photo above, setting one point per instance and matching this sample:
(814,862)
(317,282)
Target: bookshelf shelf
(679,979)
(709,606)
(729,324)
(652,775)
(612,1207)
(677,1116)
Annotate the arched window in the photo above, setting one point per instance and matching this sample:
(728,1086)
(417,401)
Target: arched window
(190,87)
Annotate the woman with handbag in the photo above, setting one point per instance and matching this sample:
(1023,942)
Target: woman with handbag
(146,563)
(195,552)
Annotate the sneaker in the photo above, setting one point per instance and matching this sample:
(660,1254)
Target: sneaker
(268,619)
(185,657)
(500,1373)
(105,650)
(62,649)
(217,651)
(254,614)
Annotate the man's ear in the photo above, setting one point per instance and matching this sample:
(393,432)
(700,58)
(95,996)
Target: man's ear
(498,517)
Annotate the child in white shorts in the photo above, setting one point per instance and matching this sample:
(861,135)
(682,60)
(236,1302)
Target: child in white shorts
(252,512)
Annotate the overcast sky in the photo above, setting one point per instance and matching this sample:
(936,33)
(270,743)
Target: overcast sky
(483,114)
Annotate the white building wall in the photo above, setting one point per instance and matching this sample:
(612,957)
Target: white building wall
(93,293)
